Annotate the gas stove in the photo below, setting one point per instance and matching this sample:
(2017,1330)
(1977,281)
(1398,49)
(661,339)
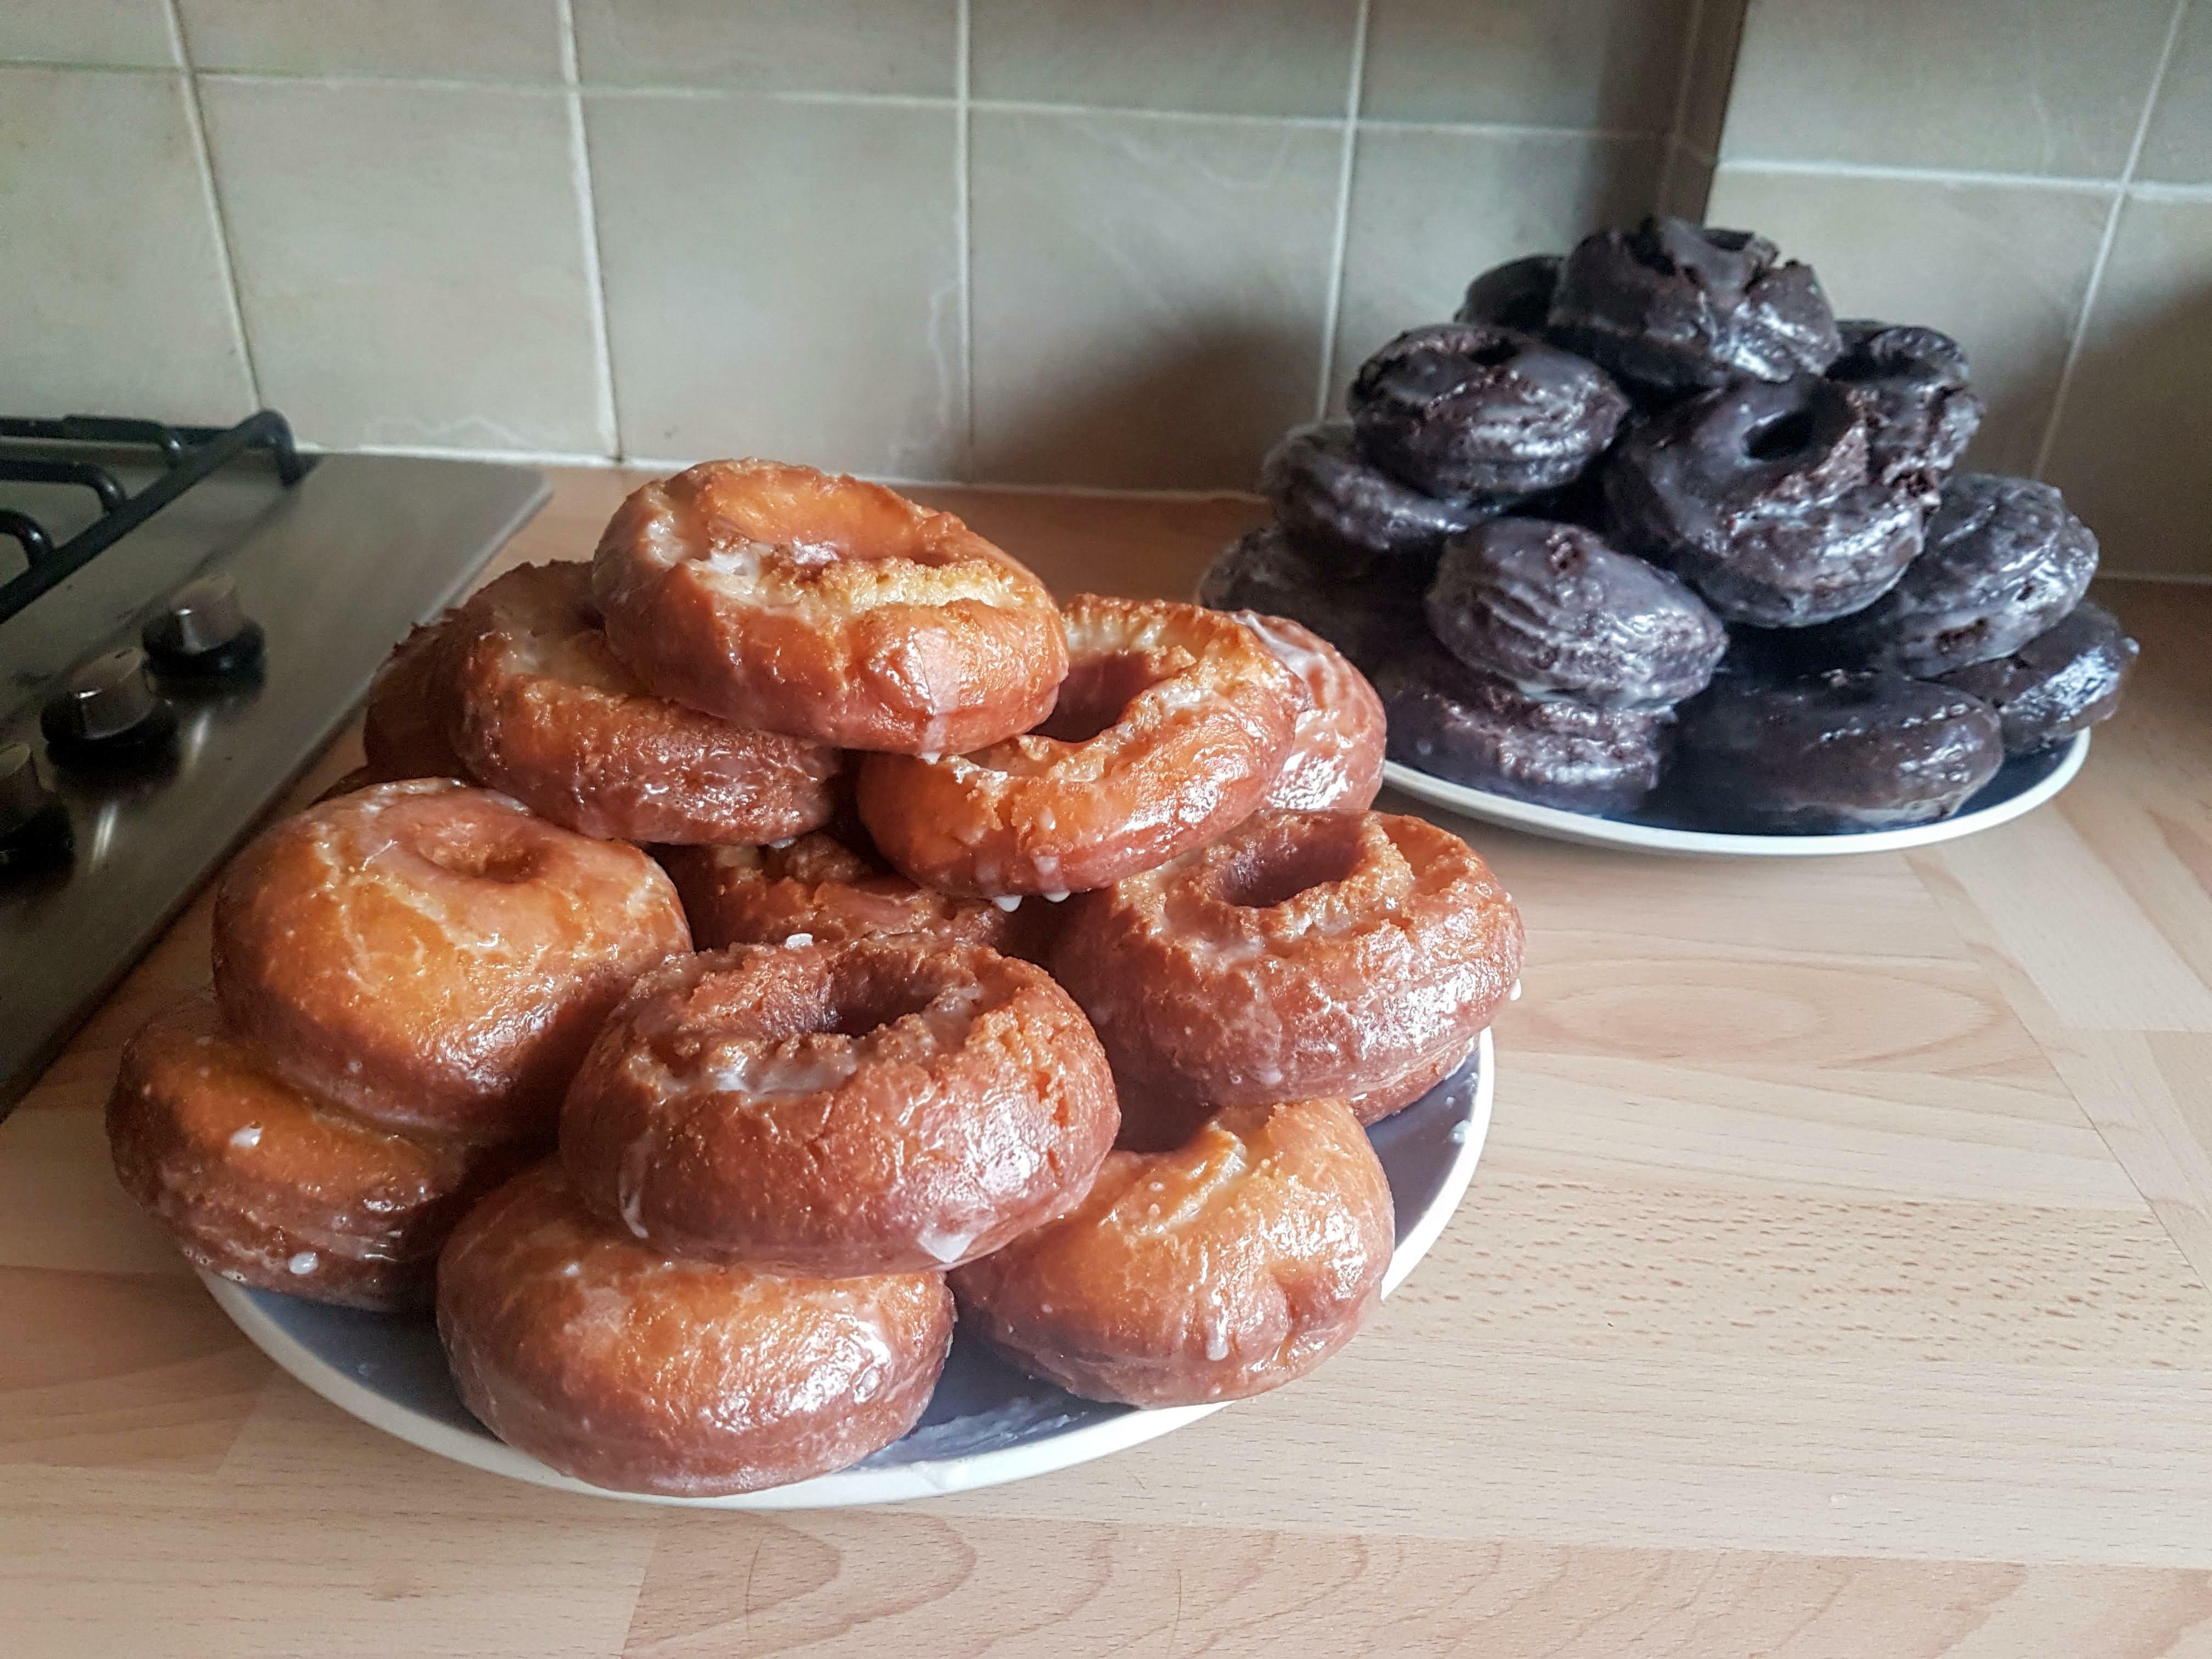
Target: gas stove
(188,615)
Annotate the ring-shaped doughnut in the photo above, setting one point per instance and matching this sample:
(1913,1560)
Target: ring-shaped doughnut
(1172,726)
(616,1365)
(1343,506)
(263,1184)
(785,600)
(882,1105)
(2060,682)
(1230,1266)
(406,726)
(1336,747)
(549,714)
(1301,955)
(433,958)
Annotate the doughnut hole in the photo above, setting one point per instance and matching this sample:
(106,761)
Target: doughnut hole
(1782,438)
(1282,859)
(1097,693)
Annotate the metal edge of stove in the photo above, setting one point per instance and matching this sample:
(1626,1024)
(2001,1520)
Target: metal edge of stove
(336,571)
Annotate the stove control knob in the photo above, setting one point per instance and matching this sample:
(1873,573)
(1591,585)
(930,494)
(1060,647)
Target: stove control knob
(202,633)
(109,712)
(35,826)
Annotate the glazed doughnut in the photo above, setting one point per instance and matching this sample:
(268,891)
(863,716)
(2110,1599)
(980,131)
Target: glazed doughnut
(882,1105)
(1841,751)
(1456,723)
(1759,495)
(1351,511)
(260,1183)
(1232,1265)
(2059,682)
(1172,726)
(406,726)
(1516,294)
(549,714)
(1336,747)
(1552,608)
(1369,621)
(1673,307)
(1301,955)
(1466,410)
(789,600)
(821,891)
(431,956)
(1387,1099)
(1912,384)
(613,1364)
(2004,561)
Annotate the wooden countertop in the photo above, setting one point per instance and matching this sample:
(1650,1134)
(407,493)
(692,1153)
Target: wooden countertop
(1833,1284)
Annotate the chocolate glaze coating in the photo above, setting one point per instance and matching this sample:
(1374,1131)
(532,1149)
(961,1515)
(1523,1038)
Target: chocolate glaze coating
(1839,751)
(2060,682)
(1516,294)
(1371,621)
(1552,608)
(2004,561)
(1349,510)
(1912,384)
(1673,306)
(1759,495)
(1466,410)
(1456,723)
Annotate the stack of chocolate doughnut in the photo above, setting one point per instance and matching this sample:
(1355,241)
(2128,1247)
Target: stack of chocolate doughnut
(1645,521)
(699,1152)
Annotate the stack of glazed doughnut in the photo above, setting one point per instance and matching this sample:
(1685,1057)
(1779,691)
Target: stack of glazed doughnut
(1039,963)
(1645,521)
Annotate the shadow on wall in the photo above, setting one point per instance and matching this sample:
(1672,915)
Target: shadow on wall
(2134,448)
(1195,410)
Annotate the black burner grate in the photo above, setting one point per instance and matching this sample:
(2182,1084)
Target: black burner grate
(189,453)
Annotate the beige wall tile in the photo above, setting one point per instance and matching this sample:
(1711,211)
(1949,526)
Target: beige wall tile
(2002,267)
(1429,209)
(1262,57)
(2133,453)
(109,253)
(1711,72)
(488,39)
(1581,64)
(903,46)
(783,279)
(2178,149)
(2013,86)
(1149,294)
(122,32)
(411,261)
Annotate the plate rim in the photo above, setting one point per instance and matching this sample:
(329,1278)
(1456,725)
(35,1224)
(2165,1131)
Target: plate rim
(1587,830)
(845,1487)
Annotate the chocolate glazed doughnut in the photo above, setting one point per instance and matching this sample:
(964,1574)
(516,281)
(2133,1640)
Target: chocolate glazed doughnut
(1456,723)
(2059,682)
(1673,307)
(1351,512)
(2004,561)
(549,714)
(1303,954)
(1759,496)
(1842,752)
(1232,1265)
(1911,383)
(1369,621)
(1464,411)
(1516,294)
(1552,608)
(885,1105)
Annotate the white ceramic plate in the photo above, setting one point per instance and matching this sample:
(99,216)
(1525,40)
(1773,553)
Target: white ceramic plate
(2021,785)
(987,1422)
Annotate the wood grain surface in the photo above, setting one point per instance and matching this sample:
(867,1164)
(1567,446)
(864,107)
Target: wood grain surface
(1833,1284)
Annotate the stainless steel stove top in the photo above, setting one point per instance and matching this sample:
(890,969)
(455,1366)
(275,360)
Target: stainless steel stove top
(120,794)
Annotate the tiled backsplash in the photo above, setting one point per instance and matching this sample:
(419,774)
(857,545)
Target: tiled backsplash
(1118,243)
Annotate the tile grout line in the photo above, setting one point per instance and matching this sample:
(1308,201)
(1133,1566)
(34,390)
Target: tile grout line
(1340,251)
(1786,167)
(580,161)
(963,198)
(2096,282)
(1681,101)
(196,121)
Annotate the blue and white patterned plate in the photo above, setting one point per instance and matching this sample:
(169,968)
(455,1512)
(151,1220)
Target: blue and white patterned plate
(988,1423)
